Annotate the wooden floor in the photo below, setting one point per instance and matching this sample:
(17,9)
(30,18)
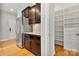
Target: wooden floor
(9,48)
(60,51)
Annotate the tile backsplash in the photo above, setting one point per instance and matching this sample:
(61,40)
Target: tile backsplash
(37,28)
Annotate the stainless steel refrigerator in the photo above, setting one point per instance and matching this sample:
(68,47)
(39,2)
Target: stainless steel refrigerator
(22,26)
(19,30)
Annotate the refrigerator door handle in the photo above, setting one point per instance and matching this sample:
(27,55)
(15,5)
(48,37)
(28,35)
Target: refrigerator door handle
(77,34)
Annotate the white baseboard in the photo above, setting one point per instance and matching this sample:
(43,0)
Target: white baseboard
(71,50)
(7,39)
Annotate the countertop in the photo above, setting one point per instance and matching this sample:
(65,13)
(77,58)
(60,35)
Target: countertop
(32,33)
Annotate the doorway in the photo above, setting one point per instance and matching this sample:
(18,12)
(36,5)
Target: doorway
(66,29)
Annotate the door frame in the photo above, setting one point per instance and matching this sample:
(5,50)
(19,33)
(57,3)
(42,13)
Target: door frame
(47,29)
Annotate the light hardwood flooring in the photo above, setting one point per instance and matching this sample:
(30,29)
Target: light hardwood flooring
(60,51)
(9,48)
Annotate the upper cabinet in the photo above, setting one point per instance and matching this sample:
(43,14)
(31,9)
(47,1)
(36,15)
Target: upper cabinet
(26,12)
(38,13)
(33,13)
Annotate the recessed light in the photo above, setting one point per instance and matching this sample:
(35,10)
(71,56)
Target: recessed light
(11,9)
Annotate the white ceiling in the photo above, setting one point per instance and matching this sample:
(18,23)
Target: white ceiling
(59,6)
(16,6)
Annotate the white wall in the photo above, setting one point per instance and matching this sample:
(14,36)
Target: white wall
(37,28)
(0,25)
(5,18)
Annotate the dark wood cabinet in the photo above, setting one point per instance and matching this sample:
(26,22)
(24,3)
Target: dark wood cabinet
(27,42)
(38,12)
(35,14)
(36,47)
(33,44)
(32,14)
(26,12)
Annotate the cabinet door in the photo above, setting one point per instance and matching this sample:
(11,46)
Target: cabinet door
(26,12)
(32,15)
(35,14)
(27,42)
(38,12)
(36,48)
